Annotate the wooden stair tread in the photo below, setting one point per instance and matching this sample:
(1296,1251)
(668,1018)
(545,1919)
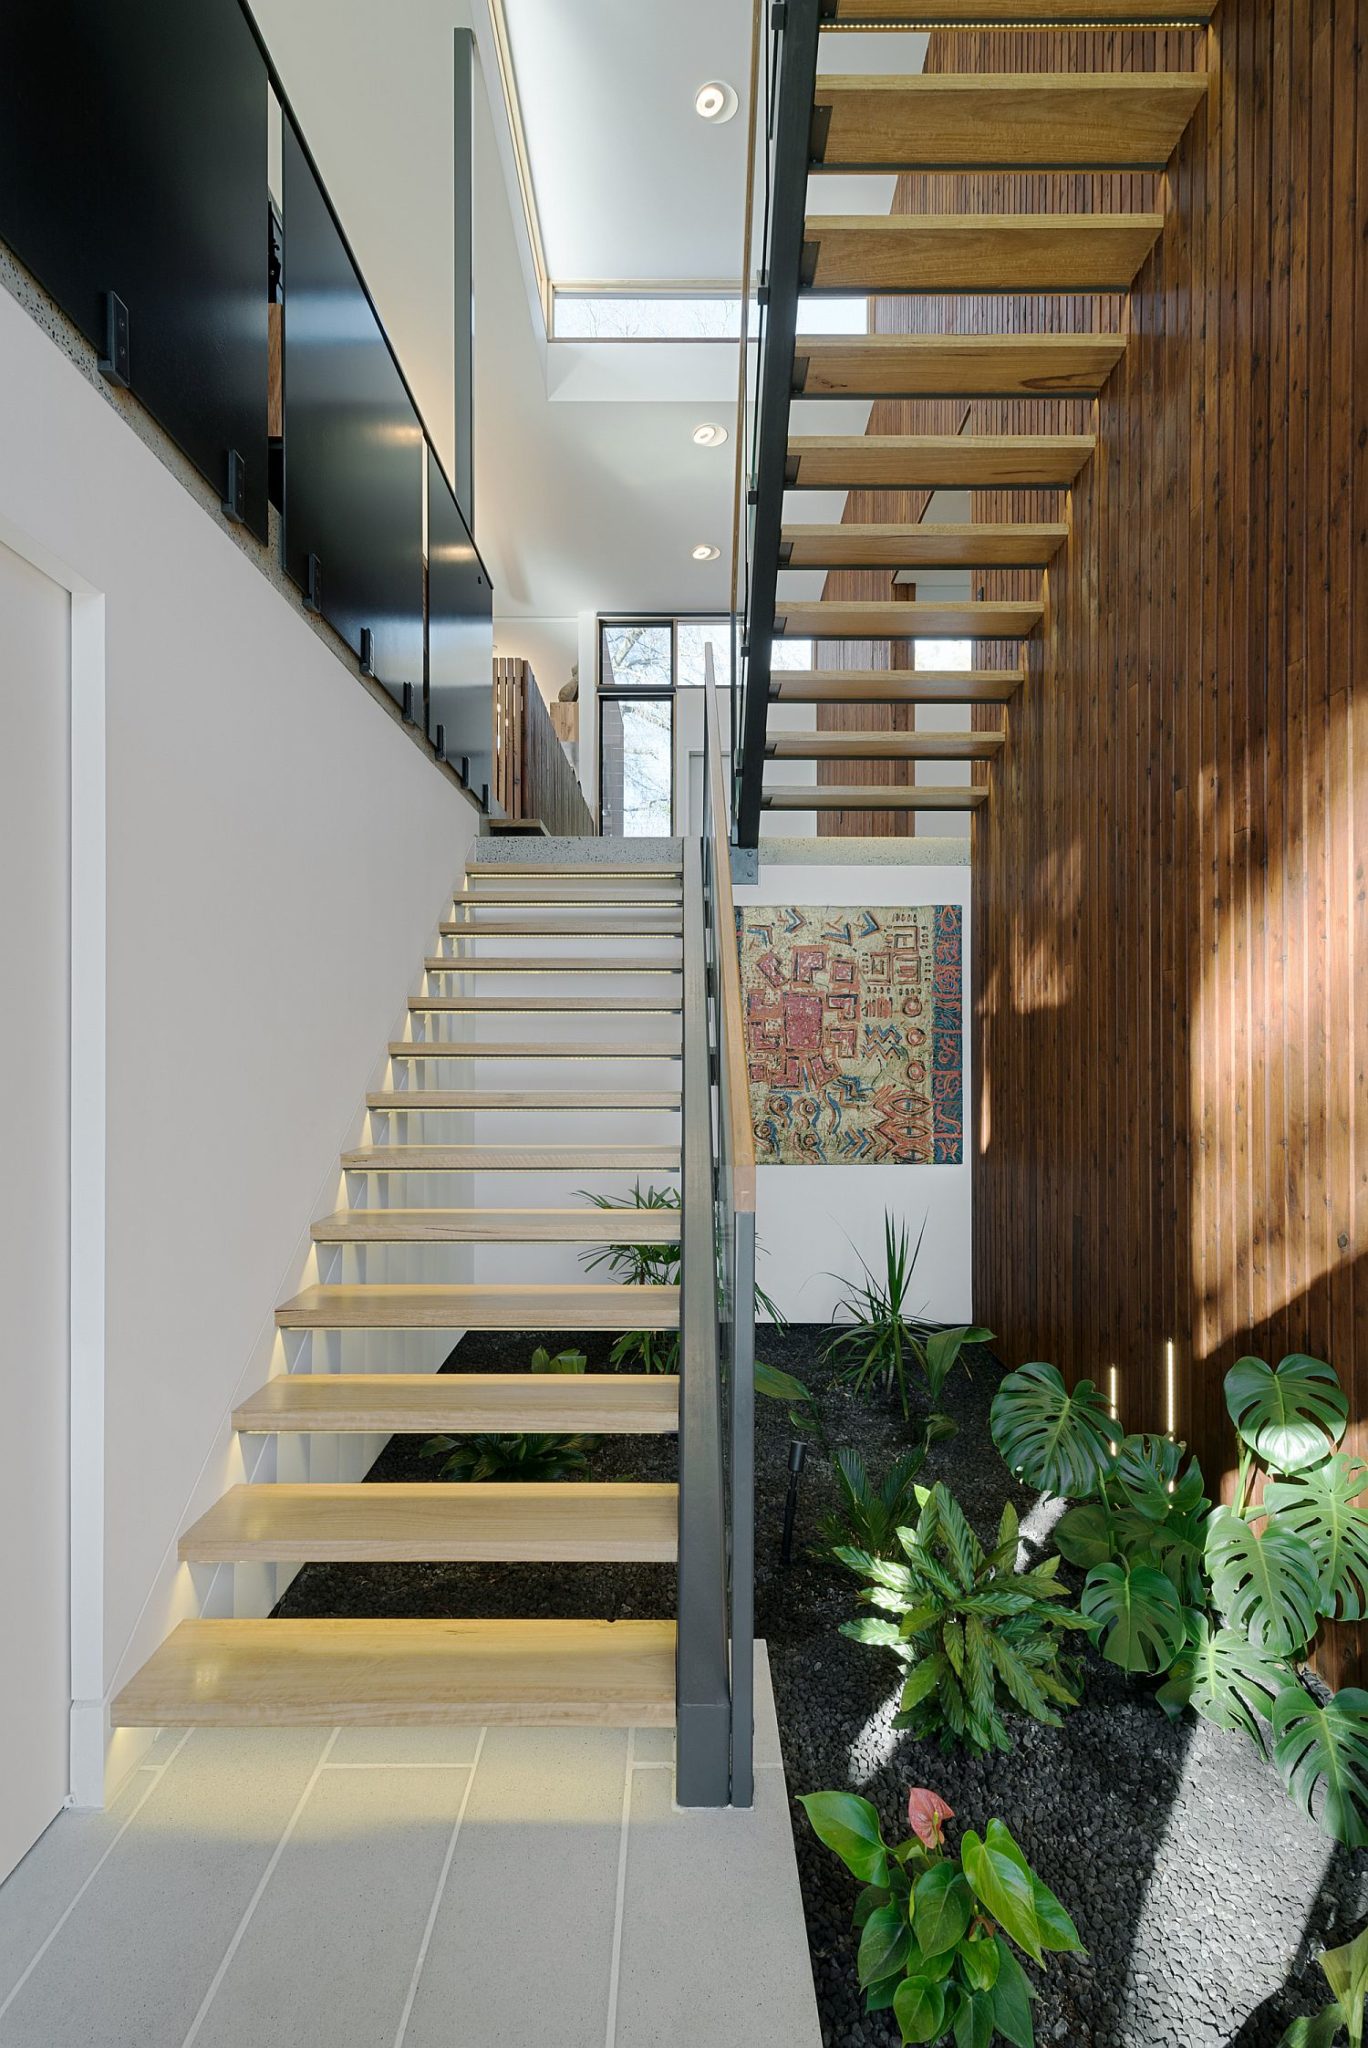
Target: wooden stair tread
(245,1674)
(481,1305)
(551,871)
(440,1522)
(602,1404)
(883,746)
(649,1004)
(421,1099)
(1021,13)
(528,1049)
(513,1158)
(873,798)
(1078,120)
(977,252)
(894,686)
(567,928)
(474,963)
(953,365)
(498,1226)
(839,620)
(972,546)
(912,461)
(572,899)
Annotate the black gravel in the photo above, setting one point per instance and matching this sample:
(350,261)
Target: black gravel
(1201,1893)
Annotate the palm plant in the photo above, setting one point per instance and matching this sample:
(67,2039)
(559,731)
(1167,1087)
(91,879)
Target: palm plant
(870,1515)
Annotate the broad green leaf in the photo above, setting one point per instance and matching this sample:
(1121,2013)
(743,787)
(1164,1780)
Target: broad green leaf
(942,1907)
(1006,1890)
(1147,1469)
(1319,2032)
(1012,1996)
(1346,1972)
(1057,1930)
(1319,1507)
(1058,1441)
(979,1960)
(922,1680)
(919,2009)
(1087,1534)
(943,1348)
(974,2024)
(1139,1610)
(780,1386)
(849,1826)
(1316,1746)
(1227,1679)
(868,1629)
(884,1945)
(1292,1417)
(880,1997)
(871,1898)
(1264,1580)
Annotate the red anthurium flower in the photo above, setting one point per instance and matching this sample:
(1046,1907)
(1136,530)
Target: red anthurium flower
(925,1812)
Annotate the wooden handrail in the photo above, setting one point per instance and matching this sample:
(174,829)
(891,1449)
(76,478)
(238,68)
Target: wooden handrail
(739,1145)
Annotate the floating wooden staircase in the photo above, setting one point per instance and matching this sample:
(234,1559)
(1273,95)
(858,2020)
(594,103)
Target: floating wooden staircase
(248,1671)
(971,135)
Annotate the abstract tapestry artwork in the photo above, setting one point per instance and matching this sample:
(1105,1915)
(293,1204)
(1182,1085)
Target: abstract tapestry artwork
(854,1034)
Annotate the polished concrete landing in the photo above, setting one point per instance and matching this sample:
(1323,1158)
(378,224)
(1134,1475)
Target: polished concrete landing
(412,1888)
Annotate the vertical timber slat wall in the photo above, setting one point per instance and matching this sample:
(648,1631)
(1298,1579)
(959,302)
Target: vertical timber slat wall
(1169,907)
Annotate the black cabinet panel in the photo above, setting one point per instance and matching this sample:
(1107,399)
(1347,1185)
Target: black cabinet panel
(353,446)
(133,160)
(460,639)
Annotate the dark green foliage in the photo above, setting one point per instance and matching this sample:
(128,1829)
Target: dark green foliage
(882,1341)
(509,1457)
(939,1930)
(975,1634)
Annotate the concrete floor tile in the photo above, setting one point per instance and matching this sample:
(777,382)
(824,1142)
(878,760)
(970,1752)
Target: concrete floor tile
(328,1955)
(131,1965)
(653,1745)
(522,1950)
(442,1746)
(38,1891)
(713,1941)
(767,1750)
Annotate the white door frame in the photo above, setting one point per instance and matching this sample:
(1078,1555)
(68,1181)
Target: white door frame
(88,1731)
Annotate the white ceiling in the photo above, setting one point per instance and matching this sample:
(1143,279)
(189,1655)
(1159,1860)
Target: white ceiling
(630,183)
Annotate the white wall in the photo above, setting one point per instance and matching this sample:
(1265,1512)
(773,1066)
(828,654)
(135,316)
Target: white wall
(813,1221)
(278,853)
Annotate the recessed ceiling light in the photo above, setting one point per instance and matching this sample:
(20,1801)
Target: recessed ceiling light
(703,553)
(709,435)
(715,101)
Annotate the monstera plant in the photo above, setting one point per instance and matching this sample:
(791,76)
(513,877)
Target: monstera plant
(1220,1602)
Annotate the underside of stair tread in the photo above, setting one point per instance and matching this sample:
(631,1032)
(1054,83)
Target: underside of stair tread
(1080,120)
(565,928)
(480,1305)
(953,365)
(531,963)
(405,1673)
(499,1226)
(579,870)
(976,253)
(603,1404)
(511,1158)
(970,546)
(534,1098)
(573,898)
(894,686)
(587,1521)
(651,1004)
(872,798)
(1021,13)
(530,1049)
(896,462)
(838,620)
(883,746)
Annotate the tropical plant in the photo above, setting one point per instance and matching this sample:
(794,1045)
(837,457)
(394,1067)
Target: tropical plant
(939,1929)
(869,1516)
(651,1265)
(516,1457)
(974,1633)
(1346,1972)
(943,1348)
(1223,1600)
(882,1339)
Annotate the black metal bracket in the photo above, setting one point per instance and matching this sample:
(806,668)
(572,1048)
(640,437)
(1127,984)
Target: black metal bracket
(367,660)
(116,358)
(408,704)
(235,496)
(313,585)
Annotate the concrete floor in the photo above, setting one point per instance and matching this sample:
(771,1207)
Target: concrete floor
(412,1888)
